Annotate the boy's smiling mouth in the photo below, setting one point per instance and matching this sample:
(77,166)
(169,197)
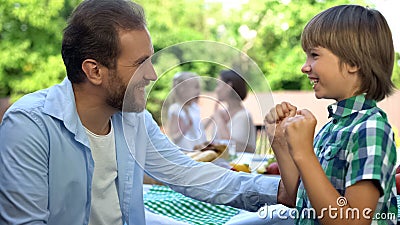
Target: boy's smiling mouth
(313,80)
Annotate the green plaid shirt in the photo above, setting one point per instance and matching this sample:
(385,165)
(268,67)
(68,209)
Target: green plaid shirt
(357,144)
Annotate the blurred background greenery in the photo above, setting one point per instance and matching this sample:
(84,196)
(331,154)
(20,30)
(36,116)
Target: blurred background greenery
(266,30)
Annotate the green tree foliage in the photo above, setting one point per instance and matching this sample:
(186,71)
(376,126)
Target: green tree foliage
(30,43)
(396,71)
(267,30)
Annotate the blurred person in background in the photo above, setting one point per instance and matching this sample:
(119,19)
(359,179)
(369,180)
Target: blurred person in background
(184,122)
(233,122)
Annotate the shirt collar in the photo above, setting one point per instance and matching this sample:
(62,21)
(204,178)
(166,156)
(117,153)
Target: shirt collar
(60,104)
(351,105)
(60,101)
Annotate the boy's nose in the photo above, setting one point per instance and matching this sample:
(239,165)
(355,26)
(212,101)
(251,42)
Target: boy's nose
(306,68)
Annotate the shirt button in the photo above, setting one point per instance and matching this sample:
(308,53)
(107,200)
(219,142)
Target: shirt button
(334,121)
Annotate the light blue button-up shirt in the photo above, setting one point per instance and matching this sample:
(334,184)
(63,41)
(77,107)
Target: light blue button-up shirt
(46,165)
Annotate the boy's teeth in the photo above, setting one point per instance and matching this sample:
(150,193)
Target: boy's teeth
(314,81)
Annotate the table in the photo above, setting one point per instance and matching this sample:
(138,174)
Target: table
(244,217)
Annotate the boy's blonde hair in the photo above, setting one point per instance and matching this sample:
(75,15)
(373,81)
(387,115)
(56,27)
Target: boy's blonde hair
(360,37)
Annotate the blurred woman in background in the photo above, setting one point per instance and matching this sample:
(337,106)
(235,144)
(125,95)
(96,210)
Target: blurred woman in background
(233,122)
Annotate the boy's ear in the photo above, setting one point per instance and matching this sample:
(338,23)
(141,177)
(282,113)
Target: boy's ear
(92,70)
(352,68)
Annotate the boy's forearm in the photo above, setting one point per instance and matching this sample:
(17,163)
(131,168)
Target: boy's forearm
(289,173)
(321,192)
(319,189)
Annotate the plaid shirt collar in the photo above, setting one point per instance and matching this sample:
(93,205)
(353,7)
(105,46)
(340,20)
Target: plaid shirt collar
(348,106)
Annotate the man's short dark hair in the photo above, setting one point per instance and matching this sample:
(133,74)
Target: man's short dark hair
(93,33)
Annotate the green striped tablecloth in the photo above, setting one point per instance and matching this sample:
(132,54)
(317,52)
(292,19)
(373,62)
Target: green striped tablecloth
(162,200)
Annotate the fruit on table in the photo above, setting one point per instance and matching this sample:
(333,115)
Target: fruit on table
(262,169)
(240,167)
(273,168)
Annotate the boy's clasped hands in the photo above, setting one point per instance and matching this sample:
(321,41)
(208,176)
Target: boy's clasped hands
(294,128)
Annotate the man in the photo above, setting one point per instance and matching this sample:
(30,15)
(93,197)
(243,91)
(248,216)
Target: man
(75,154)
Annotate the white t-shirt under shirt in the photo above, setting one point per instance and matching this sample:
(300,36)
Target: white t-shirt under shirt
(195,135)
(242,128)
(105,208)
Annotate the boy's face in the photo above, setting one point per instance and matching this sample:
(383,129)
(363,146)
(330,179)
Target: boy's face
(330,80)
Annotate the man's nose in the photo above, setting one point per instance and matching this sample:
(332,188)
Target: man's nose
(150,73)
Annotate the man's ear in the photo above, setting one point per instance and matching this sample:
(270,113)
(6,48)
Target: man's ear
(92,71)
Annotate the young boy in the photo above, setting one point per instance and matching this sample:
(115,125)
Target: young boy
(346,175)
